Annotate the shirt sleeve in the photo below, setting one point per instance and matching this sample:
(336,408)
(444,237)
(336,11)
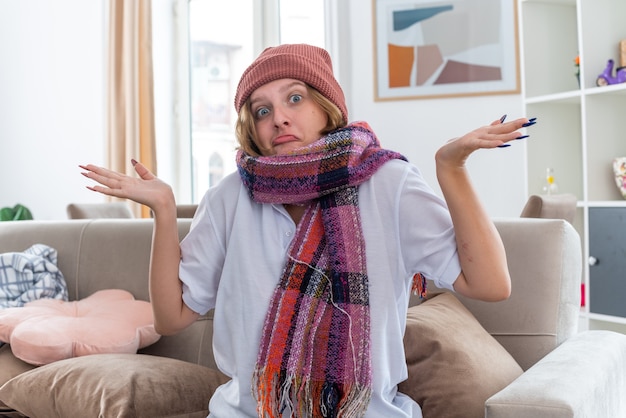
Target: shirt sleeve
(202,259)
(428,241)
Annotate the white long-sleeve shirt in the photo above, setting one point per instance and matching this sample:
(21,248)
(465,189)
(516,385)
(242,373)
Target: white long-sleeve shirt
(234,254)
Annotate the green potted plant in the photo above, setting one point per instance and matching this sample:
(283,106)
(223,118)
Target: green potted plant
(18,212)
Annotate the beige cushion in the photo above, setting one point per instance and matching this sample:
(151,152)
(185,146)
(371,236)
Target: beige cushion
(108,321)
(186,211)
(558,206)
(10,366)
(454,364)
(113,385)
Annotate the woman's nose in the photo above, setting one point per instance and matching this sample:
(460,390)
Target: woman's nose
(280,117)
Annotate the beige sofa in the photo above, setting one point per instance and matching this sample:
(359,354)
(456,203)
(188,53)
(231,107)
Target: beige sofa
(563,373)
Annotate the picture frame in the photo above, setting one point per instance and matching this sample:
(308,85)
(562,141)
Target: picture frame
(445,48)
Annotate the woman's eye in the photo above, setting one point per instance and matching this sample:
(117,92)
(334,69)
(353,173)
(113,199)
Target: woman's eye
(295,98)
(262,112)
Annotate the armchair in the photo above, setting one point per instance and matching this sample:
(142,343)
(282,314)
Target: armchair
(558,206)
(566,373)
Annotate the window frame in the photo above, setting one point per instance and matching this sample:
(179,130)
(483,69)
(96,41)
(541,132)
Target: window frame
(174,149)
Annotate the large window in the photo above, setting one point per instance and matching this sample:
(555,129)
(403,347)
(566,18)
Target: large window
(224,38)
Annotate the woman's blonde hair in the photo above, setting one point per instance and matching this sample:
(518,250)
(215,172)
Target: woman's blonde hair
(246,132)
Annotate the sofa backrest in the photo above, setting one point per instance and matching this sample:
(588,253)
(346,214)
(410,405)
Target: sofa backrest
(544,257)
(96,254)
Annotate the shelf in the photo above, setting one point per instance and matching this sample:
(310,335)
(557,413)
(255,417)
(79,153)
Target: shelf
(580,127)
(602,28)
(555,142)
(574,96)
(568,2)
(564,97)
(606,318)
(548,50)
(606,204)
(614,89)
(587,324)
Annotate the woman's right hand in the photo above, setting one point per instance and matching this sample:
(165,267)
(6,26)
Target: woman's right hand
(147,189)
(170,312)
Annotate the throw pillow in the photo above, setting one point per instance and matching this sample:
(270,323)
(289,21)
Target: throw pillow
(10,366)
(114,385)
(454,364)
(108,321)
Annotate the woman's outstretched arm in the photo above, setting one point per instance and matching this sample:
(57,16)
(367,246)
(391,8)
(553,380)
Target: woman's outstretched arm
(485,273)
(170,312)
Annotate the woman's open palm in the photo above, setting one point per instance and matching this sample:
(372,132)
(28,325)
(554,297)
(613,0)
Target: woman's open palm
(146,189)
(456,151)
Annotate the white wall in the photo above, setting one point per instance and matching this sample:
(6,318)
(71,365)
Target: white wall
(417,128)
(51,102)
(52,108)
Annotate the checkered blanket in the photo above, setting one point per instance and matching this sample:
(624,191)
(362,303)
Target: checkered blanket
(30,275)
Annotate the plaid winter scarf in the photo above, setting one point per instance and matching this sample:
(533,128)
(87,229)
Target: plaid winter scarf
(314,355)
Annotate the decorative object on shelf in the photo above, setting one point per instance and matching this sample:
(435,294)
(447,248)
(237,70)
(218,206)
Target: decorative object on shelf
(577,64)
(18,212)
(619,168)
(607,77)
(550,186)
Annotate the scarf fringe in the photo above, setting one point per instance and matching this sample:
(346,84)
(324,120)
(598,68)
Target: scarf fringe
(275,396)
(419,285)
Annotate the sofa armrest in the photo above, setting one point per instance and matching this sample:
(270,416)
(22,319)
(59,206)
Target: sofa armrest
(545,262)
(583,377)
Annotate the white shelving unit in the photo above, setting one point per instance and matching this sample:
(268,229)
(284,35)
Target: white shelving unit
(581,127)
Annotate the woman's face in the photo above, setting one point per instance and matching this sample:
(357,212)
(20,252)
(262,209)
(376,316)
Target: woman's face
(286,116)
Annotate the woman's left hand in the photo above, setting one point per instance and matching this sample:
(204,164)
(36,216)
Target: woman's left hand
(485,272)
(498,134)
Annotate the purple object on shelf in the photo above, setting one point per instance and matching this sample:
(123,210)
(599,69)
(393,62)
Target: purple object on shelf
(607,77)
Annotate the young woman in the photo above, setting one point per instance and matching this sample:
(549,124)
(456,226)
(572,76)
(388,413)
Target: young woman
(309,253)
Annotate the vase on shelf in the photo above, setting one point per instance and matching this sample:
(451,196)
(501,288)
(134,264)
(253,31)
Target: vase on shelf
(619,169)
(550,186)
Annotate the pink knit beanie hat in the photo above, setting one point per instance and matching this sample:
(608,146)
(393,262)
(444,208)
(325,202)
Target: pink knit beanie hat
(307,63)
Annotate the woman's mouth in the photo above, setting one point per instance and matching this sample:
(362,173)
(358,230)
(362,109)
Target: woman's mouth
(283,139)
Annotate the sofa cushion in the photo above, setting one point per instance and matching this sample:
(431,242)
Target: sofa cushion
(10,366)
(454,365)
(47,330)
(114,385)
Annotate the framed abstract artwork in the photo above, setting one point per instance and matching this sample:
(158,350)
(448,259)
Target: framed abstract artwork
(445,48)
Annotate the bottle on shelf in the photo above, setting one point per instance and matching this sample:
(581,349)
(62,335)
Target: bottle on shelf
(550,186)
